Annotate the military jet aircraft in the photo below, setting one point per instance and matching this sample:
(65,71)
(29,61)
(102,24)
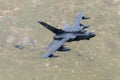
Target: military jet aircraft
(68,34)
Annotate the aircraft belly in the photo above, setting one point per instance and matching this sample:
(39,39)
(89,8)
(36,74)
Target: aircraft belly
(79,38)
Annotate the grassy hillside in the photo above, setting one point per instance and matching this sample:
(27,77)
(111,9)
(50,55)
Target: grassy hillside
(99,58)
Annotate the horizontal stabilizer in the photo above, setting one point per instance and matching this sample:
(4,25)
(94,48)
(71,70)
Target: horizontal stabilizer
(51,28)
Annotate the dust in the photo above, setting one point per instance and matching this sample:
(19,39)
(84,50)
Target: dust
(10,39)
(119,10)
(117,2)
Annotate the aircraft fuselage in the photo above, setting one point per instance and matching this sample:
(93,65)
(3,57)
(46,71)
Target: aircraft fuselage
(79,36)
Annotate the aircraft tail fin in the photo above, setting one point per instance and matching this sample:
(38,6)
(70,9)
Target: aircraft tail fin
(51,28)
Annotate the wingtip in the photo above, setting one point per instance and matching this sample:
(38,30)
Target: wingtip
(47,55)
(44,56)
(40,22)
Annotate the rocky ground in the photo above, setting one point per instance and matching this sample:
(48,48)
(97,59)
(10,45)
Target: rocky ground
(22,40)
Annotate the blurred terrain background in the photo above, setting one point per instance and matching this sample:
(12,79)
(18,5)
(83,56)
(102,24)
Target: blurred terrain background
(97,59)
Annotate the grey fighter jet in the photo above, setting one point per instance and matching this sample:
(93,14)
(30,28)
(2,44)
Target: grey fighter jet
(68,34)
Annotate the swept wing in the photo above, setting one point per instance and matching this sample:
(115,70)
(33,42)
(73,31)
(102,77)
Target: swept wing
(55,48)
(58,45)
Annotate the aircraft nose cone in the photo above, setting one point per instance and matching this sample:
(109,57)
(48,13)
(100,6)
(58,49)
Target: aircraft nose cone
(92,34)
